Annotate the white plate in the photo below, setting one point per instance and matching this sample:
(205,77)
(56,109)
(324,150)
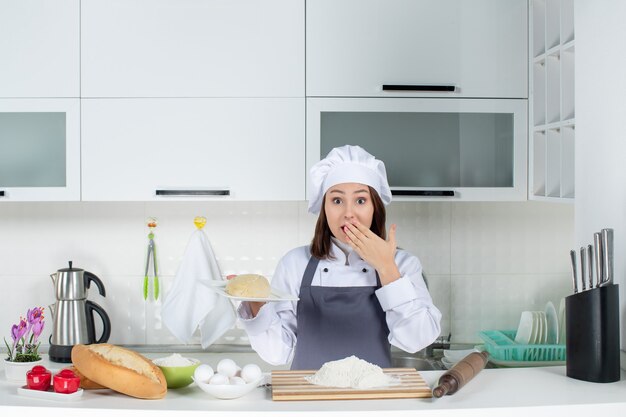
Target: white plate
(553,324)
(448,363)
(49,395)
(525,328)
(227,391)
(275,296)
(457,355)
(541,328)
(562,322)
(535,329)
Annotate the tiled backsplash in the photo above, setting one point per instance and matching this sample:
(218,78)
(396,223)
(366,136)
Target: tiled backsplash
(484,262)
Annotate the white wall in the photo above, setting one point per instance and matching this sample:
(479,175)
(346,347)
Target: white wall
(485,262)
(601,129)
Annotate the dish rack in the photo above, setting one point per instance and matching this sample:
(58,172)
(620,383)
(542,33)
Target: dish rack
(501,346)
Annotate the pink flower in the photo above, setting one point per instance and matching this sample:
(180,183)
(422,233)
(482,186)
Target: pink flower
(37,329)
(35,315)
(19,330)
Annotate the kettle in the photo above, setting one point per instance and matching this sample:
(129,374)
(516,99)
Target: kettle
(73,314)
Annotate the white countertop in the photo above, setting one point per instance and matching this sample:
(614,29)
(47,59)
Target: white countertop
(494,392)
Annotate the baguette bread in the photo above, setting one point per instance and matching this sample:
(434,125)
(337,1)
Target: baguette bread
(120,369)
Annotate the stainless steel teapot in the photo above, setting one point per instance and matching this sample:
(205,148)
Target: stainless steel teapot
(73,314)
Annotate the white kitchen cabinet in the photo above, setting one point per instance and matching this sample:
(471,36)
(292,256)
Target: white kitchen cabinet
(181,149)
(192,48)
(433,149)
(39,48)
(39,149)
(551,101)
(478,47)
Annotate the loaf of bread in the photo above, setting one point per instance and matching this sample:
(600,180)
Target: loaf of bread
(85,383)
(249,286)
(120,369)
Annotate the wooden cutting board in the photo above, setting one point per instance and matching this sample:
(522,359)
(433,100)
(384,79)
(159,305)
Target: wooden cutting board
(291,386)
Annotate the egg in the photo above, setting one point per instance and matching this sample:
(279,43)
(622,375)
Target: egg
(203,373)
(251,373)
(227,367)
(236,381)
(218,379)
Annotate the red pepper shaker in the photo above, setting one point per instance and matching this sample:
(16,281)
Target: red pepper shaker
(66,382)
(38,378)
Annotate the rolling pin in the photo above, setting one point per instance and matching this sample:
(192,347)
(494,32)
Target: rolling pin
(460,374)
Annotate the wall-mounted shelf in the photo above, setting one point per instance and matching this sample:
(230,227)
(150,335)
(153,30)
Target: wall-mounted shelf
(551,98)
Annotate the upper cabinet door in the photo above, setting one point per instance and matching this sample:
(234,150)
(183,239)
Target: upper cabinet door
(40,149)
(192,48)
(475,48)
(39,48)
(181,149)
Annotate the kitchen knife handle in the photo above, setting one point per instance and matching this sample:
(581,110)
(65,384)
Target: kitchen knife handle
(419,87)
(193,193)
(583,267)
(597,246)
(423,193)
(590,265)
(572,255)
(607,256)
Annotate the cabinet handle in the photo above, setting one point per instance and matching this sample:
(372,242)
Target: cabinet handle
(1,193)
(423,193)
(224,191)
(418,87)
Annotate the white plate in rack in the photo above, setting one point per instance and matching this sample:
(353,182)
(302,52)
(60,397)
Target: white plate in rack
(553,324)
(525,330)
(275,296)
(561,339)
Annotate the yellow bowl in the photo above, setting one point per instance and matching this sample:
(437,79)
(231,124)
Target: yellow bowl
(179,376)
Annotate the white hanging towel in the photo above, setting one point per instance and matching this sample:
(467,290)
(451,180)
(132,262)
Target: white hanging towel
(191,303)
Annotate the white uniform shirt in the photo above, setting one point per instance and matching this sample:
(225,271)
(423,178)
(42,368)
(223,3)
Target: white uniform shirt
(413,320)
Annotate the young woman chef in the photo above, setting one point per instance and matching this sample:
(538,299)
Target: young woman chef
(358,294)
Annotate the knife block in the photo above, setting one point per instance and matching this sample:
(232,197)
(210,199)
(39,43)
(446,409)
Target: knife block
(592,335)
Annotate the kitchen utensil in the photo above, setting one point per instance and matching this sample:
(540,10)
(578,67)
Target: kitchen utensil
(460,374)
(592,335)
(501,346)
(583,267)
(607,257)
(152,224)
(598,255)
(73,314)
(292,386)
(572,255)
(590,265)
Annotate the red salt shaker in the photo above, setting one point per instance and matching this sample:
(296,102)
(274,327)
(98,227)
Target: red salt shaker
(38,378)
(66,382)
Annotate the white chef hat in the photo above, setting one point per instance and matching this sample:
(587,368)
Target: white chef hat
(346,164)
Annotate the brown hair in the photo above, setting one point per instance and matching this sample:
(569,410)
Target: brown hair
(320,245)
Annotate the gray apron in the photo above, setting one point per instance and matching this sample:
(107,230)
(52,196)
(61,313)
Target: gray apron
(337,322)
